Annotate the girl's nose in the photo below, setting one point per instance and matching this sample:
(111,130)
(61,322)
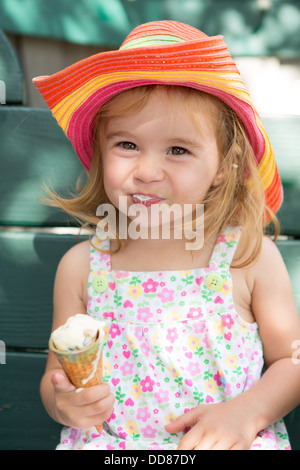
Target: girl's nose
(148,169)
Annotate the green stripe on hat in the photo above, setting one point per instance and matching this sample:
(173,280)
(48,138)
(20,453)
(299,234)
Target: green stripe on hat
(156,40)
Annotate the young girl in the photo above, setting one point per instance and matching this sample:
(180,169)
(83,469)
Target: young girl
(166,120)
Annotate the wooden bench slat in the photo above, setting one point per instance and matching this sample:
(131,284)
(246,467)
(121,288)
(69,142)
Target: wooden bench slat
(28,264)
(11,76)
(25,425)
(284,134)
(34,150)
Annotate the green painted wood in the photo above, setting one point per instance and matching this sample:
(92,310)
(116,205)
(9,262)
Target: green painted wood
(284,134)
(28,264)
(11,77)
(24,423)
(290,252)
(34,151)
(248,27)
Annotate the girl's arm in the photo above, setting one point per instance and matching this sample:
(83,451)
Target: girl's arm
(92,405)
(234,424)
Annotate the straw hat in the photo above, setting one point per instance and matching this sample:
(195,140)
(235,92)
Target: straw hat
(160,52)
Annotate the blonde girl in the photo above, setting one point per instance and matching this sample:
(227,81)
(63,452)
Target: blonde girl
(166,120)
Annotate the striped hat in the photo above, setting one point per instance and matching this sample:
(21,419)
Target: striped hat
(160,52)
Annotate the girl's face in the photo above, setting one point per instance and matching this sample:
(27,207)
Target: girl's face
(161,154)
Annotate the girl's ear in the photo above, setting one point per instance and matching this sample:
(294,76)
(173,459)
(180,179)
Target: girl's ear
(218,177)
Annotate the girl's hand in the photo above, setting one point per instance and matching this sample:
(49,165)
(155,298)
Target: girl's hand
(81,410)
(223,426)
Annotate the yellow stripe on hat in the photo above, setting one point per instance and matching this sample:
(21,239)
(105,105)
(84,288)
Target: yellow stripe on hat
(228,82)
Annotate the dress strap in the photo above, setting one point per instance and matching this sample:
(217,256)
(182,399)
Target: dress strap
(225,248)
(99,254)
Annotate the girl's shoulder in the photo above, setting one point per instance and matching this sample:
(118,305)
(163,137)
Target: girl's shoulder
(73,268)
(76,255)
(268,270)
(71,279)
(269,255)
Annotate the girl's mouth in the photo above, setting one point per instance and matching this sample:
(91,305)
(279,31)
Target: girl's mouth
(145,199)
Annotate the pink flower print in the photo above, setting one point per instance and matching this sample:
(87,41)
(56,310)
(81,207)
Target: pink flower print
(110,447)
(73,434)
(114,330)
(147,384)
(122,274)
(143,414)
(112,416)
(194,312)
(145,349)
(172,334)
(150,285)
(218,379)
(162,396)
(249,382)
(212,267)
(206,341)
(193,368)
(222,239)
(166,295)
(126,368)
(139,333)
(228,390)
(148,431)
(109,315)
(199,326)
(144,314)
(269,435)
(227,320)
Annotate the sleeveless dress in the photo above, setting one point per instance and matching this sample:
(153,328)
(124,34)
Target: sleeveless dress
(173,341)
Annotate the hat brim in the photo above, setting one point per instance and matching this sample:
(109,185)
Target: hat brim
(75,94)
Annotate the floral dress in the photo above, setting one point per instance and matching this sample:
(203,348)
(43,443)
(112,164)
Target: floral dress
(173,341)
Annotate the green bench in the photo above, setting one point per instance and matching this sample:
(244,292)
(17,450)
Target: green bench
(33,238)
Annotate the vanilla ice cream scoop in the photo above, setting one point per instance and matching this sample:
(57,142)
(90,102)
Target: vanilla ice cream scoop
(79,332)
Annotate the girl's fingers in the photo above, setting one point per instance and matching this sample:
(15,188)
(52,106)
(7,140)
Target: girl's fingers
(184,421)
(61,383)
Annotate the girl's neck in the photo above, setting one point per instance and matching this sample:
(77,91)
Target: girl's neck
(160,255)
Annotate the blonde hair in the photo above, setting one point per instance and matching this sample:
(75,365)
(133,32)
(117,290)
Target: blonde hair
(237,201)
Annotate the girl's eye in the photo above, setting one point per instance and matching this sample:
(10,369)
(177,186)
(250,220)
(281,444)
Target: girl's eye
(128,145)
(176,151)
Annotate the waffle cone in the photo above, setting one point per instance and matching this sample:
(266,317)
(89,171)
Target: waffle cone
(84,368)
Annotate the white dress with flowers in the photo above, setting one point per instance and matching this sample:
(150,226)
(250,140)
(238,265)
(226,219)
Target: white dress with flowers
(173,341)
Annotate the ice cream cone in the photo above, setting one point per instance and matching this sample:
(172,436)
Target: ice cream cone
(84,368)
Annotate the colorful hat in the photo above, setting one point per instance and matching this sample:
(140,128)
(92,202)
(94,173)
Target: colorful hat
(160,52)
